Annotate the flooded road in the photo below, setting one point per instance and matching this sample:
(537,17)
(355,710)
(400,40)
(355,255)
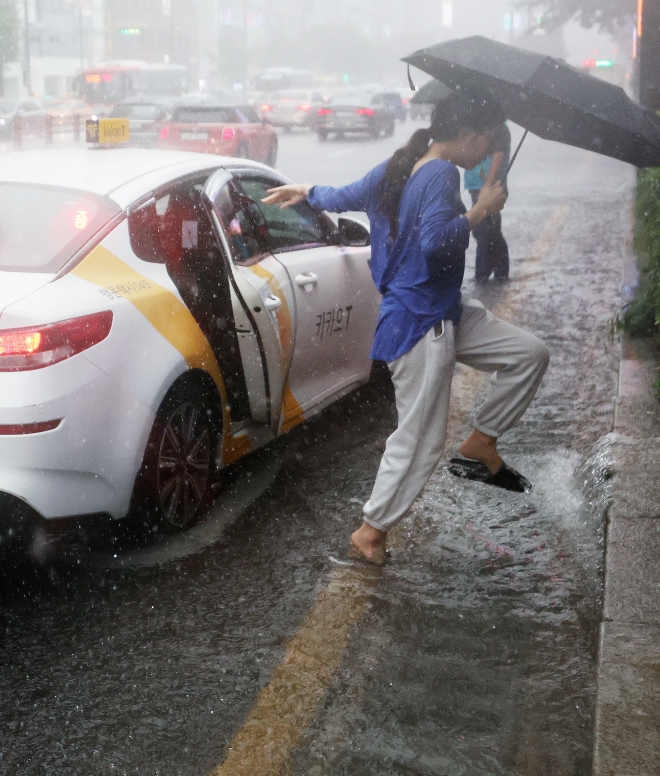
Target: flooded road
(243,648)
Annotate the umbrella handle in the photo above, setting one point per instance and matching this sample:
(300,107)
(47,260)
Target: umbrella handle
(513,158)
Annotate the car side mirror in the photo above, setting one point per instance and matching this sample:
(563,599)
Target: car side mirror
(353,233)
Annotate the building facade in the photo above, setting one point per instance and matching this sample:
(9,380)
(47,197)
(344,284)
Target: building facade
(57,38)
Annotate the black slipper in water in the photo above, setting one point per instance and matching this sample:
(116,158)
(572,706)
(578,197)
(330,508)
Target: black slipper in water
(506,477)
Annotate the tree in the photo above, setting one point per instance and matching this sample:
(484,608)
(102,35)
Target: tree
(9,26)
(608,15)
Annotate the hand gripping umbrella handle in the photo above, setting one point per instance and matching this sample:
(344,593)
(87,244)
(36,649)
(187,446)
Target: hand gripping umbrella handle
(513,158)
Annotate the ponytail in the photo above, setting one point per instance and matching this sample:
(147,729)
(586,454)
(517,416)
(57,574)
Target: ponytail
(398,172)
(465,110)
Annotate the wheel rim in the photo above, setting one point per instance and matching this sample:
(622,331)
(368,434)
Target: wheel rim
(184,464)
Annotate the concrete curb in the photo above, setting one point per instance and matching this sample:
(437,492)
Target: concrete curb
(627,731)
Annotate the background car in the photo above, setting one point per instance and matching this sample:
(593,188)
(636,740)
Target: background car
(293,108)
(145,119)
(63,113)
(27,116)
(394,101)
(229,130)
(157,323)
(355,112)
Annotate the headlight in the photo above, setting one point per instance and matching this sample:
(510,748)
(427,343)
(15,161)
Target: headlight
(2,122)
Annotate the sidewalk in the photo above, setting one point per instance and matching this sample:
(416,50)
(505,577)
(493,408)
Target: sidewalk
(628,708)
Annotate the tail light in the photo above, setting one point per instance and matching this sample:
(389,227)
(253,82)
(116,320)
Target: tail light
(325,111)
(364,111)
(164,133)
(228,133)
(304,107)
(20,429)
(35,347)
(266,108)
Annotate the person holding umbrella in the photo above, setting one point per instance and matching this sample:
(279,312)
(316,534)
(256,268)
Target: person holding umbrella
(420,231)
(492,249)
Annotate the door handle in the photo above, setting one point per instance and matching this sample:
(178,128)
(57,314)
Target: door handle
(307,280)
(272,303)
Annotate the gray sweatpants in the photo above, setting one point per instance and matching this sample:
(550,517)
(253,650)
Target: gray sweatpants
(422,384)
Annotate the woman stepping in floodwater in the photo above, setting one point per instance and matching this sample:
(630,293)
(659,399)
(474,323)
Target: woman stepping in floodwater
(420,231)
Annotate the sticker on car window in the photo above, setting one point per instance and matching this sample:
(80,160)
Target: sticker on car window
(189,234)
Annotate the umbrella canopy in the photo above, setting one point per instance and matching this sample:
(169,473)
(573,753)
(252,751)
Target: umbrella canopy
(431,93)
(548,97)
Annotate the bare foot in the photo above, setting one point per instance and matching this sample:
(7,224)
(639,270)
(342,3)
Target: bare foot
(371,544)
(481,447)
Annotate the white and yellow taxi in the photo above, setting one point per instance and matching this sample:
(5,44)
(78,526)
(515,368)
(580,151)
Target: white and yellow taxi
(159,322)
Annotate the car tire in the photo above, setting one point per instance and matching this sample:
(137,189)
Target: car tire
(174,484)
(374,132)
(390,129)
(287,129)
(322,135)
(271,156)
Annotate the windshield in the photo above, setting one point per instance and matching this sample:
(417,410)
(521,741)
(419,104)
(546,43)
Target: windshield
(171,83)
(204,115)
(353,99)
(41,228)
(7,107)
(103,87)
(290,96)
(139,112)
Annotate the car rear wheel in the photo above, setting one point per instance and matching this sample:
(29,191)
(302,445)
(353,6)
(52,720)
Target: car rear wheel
(374,132)
(390,129)
(322,135)
(271,157)
(173,486)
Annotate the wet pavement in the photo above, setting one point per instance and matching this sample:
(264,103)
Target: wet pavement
(244,648)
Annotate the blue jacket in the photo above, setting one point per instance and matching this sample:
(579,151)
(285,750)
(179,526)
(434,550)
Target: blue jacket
(420,273)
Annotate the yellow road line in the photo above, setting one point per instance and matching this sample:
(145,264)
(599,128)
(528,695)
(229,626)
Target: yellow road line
(286,706)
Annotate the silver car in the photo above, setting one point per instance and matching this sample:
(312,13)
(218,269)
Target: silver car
(293,108)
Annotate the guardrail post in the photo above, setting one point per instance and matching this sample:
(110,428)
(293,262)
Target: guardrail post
(49,129)
(18,131)
(76,126)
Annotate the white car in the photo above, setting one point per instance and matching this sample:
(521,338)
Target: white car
(158,322)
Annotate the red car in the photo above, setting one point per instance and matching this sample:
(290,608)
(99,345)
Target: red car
(228,130)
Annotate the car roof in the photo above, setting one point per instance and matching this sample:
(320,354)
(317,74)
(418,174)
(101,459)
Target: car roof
(124,174)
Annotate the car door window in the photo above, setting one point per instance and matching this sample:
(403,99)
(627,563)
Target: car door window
(290,228)
(243,223)
(175,229)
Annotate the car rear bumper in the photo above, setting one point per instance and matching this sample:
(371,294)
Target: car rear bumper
(88,463)
(293,120)
(199,146)
(345,125)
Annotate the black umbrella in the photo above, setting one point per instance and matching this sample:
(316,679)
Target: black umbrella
(431,93)
(548,97)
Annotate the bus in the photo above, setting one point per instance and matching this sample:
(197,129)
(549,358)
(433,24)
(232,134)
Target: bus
(112,82)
